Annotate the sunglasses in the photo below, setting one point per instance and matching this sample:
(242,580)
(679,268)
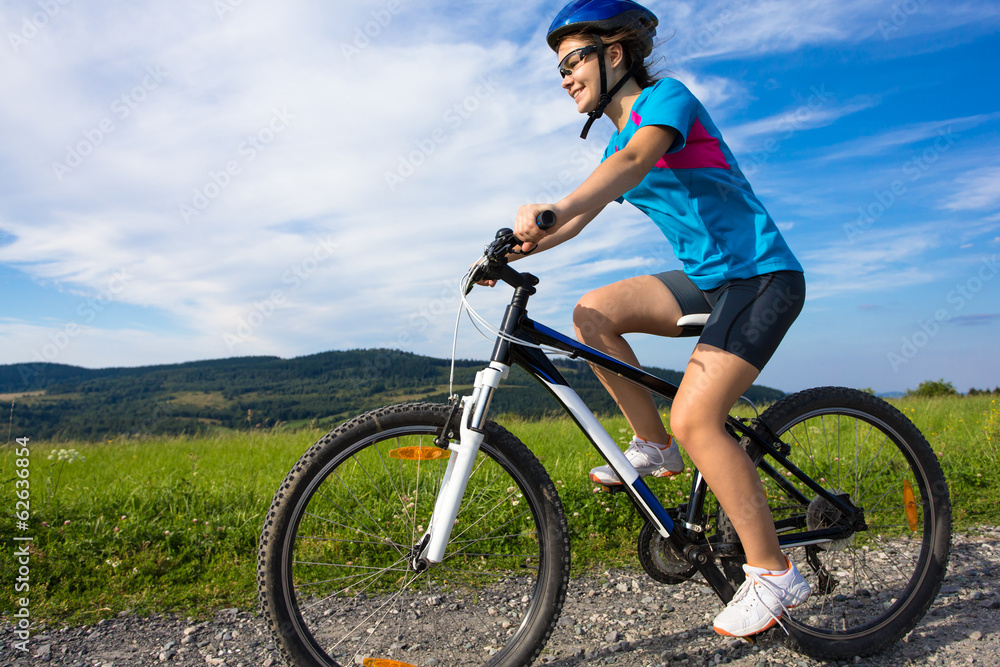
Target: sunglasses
(574,58)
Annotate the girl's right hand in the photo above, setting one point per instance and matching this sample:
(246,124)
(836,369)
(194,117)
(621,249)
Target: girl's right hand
(526,225)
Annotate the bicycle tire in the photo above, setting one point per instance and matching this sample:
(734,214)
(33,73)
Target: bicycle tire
(872,588)
(334,579)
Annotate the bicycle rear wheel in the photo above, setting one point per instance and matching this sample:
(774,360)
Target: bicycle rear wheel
(872,587)
(334,567)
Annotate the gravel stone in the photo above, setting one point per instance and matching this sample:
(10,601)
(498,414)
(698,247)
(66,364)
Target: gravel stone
(670,626)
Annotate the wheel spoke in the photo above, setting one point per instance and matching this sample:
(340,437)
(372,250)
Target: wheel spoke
(350,589)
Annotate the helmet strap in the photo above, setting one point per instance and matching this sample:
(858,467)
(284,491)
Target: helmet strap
(606,95)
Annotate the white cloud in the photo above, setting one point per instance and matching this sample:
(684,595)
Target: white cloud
(880,262)
(728,29)
(977,190)
(310,245)
(946,132)
(817,111)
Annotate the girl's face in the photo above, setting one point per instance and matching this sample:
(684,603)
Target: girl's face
(582,74)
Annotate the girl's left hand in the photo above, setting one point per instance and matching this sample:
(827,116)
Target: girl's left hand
(526,225)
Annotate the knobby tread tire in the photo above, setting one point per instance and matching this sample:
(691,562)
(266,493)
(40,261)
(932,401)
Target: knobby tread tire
(933,560)
(553,531)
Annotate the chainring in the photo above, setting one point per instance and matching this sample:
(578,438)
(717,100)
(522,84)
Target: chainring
(659,558)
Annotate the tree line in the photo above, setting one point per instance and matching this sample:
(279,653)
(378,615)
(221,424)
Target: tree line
(60,402)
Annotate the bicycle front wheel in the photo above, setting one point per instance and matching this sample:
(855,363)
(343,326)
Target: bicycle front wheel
(870,588)
(335,574)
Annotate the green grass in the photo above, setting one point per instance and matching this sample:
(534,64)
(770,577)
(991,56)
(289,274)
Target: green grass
(173,523)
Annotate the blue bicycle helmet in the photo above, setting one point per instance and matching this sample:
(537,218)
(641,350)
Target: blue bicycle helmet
(598,17)
(603,16)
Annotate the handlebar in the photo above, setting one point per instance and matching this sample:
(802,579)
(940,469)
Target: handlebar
(546,219)
(494,266)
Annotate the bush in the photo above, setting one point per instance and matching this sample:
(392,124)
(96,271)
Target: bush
(932,388)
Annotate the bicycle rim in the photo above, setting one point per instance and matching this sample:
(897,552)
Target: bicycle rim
(346,561)
(875,584)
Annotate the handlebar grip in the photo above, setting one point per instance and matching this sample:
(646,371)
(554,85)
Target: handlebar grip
(546,219)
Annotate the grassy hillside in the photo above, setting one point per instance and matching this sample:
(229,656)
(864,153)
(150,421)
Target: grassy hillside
(58,402)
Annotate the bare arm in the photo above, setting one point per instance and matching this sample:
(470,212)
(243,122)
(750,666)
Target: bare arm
(563,231)
(614,177)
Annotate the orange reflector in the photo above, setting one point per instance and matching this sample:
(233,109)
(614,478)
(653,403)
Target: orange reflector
(379,662)
(419,454)
(910,503)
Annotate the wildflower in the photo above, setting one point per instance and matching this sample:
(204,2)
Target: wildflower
(66,522)
(67,455)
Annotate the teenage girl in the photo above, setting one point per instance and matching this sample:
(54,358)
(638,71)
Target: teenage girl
(668,159)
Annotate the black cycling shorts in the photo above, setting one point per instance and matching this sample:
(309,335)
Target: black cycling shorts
(749,317)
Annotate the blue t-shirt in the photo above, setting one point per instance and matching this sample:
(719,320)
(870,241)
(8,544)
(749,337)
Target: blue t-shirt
(697,195)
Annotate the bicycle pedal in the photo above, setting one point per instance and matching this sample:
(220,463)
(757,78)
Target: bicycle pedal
(614,488)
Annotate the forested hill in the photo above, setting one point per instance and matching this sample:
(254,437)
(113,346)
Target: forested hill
(60,402)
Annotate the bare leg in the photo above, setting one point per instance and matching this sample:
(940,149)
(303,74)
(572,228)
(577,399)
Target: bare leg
(637,305)
(713,382)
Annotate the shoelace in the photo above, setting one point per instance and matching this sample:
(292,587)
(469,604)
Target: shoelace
(748,585)
(638,446)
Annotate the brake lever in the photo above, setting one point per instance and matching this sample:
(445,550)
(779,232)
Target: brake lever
(504,243)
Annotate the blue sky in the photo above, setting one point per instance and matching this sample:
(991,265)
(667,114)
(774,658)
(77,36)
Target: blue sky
(198,180)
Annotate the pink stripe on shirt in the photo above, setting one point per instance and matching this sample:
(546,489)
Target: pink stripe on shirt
(701,151)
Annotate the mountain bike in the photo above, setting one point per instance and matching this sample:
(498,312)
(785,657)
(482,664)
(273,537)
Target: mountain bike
(426,534)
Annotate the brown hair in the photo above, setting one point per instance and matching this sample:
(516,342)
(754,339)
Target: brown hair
(634,48)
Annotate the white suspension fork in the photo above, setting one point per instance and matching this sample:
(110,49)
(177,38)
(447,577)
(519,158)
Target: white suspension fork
(460,463)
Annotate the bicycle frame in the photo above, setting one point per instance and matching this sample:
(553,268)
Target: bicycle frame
(514,345)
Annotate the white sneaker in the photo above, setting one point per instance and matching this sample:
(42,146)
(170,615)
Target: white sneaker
(762,600)
(647,458)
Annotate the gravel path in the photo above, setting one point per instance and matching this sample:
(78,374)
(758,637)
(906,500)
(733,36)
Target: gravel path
(620,617)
